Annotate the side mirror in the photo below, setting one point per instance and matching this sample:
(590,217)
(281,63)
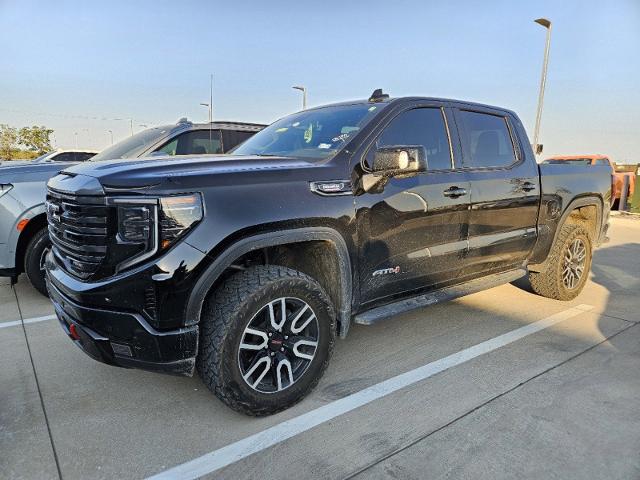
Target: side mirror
(539,148)
(399,160)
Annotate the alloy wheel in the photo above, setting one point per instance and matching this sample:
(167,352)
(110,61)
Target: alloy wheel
(574,263)
(43,258)
(278,345)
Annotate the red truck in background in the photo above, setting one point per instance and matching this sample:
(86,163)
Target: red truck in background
(618,172)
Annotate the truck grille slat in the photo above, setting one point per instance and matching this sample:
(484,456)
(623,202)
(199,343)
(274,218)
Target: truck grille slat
(78,228)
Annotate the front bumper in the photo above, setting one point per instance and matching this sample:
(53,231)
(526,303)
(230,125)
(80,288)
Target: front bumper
(126,339)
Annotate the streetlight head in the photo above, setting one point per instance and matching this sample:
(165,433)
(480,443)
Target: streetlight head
(543,21)
(204,104)
(297,87)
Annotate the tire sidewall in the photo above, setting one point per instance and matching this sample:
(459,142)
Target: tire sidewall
(305,290)
(37,245)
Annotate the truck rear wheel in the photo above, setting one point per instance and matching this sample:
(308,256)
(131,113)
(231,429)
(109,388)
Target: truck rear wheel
(36,251)
(266,336)
(567,267)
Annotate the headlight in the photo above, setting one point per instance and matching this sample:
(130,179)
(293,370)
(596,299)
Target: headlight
(4,188)
(177,216)
(147,226)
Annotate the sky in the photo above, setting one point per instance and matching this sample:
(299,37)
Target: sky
(84,68)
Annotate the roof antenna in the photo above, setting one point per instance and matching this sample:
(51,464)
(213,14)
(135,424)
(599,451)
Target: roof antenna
(378,96)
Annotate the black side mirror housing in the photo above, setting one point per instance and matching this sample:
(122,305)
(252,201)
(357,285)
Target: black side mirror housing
(399,160)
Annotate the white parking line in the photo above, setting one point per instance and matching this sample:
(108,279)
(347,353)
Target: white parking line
(15,323)
(234,452)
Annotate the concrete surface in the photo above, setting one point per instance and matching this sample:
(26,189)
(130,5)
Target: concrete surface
(560,403)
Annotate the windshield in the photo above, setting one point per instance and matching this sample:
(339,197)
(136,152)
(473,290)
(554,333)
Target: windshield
(316,134)
(132,146)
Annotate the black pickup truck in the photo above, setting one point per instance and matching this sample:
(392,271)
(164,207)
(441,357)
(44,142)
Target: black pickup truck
(247,266)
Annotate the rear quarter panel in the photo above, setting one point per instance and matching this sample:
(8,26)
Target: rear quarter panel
(565,187)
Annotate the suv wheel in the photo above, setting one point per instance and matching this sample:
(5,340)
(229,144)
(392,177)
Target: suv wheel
(34,257)
(266,336)
(567,267)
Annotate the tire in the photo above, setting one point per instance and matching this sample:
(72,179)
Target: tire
(552,282)
(36,250)
(253,299)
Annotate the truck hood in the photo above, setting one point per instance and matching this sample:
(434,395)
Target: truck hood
(151,171)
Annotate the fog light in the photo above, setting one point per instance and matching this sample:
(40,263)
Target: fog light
(123,350)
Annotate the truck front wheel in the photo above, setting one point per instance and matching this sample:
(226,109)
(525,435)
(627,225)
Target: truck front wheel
(266,336)
(567,267)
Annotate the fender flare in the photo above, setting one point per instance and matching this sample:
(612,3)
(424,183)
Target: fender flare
(282,237)
(586,201)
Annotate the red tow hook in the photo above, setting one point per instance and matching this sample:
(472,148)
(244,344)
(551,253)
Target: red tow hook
(73,331)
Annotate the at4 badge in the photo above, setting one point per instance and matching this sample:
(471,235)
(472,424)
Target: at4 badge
(387,271)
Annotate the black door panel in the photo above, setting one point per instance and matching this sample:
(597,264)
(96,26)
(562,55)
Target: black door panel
(413,232)
(413,235)
(504,193)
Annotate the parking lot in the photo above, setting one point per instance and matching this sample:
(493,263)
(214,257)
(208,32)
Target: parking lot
(499,384)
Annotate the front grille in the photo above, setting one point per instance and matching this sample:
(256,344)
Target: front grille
(78,231)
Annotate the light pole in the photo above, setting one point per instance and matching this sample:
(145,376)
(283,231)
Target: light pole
(111,132)
(208,105)
(304,95)
(131,126)
(88,135)
(537,148)
(76,134)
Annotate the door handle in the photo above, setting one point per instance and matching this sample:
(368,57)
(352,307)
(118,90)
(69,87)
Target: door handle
(528,186)
(454,192)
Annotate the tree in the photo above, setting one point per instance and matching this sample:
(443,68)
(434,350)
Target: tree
(8,141)
(36,138)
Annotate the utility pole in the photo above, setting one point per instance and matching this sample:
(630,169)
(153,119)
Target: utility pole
(131,126)
(76,134)
(111,132)
(304,95)
(543,80)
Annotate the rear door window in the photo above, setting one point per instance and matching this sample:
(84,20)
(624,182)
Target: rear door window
(66,157)
(233,138)
(84,156)
(486,140)
(195,142)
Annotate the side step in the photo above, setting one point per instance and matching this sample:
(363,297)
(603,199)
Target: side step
(437,296)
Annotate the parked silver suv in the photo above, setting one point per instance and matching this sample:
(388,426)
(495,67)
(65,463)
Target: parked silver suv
(24,240)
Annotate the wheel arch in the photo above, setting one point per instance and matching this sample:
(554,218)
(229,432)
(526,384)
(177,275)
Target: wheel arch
(35,224)
(575,206)
(586,211)
(341,295)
